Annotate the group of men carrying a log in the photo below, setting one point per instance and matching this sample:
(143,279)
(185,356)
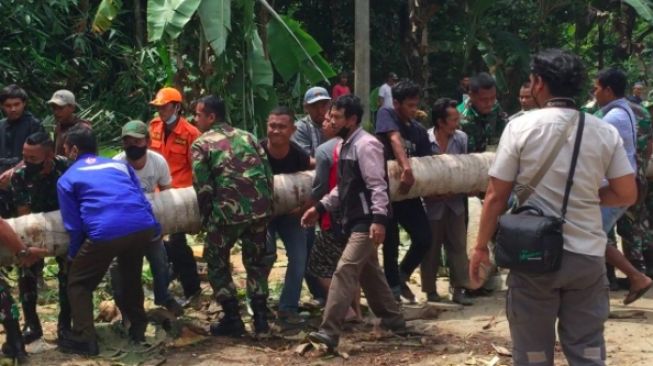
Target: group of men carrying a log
(111,224)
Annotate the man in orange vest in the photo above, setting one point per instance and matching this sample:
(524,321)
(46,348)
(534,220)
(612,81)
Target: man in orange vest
(171,135)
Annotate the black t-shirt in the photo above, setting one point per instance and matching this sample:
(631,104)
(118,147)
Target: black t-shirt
(296,161)
(416,140)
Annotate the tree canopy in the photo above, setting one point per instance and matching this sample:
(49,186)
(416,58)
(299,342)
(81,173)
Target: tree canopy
(115,54)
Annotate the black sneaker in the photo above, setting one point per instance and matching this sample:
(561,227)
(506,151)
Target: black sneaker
(15,354)
(174,307)
(432,297)
(322,338)
(406,293)
(32,332)
(228,327)
(459,296)
(67,344)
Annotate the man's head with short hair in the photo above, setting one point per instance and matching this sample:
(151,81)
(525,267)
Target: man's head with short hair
(209,110)
(63,106)
(12,100)
(445,115)
(78,141)
(406,97)
(280,126)
(38,152)
(525,98)
(556,74)
(638,89)
(316,103)
(346,115)
(483,92)
(135,138)
(610,84)
(391,79)
(343,79)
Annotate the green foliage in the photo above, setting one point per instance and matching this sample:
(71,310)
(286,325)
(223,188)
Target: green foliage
(106,13)
(216,23)
(169,17)
(293,51)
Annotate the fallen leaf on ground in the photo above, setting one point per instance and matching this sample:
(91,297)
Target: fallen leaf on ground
(501,351)
(303,348)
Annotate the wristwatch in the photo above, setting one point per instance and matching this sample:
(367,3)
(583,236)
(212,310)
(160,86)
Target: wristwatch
(22,253)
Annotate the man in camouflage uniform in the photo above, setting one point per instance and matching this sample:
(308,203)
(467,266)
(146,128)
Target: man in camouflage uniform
(34,190)
(233,181)
(14,345)
(648,204)
(483,119)
(633,226)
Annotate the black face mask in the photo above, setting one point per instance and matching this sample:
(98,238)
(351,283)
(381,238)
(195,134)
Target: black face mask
(343,132)
(34,168)
(135,152)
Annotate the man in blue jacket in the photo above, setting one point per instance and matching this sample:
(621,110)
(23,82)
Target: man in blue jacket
(107,216)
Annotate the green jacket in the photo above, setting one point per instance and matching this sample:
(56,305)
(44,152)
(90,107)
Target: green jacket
(482,130)
(232,177)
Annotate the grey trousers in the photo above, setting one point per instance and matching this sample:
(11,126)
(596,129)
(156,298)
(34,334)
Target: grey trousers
(359,264)
(451,232)
(576,296)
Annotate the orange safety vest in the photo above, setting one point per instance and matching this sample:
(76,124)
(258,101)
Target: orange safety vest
(175,149)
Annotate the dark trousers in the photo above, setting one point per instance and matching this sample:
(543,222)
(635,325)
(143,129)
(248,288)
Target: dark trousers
(411,216)
(28,290)
(183,263)
(89,267)
(312,282)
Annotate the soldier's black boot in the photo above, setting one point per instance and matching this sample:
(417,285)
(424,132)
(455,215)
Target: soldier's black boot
(14,346)
(231,325)
(32,328)
(260,318)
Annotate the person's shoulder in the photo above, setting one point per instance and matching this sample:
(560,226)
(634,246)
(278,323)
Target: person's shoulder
(121,155)
(298,150)
(151,154)
(189,127)
(460,135)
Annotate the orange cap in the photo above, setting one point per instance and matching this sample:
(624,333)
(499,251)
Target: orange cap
(165,96)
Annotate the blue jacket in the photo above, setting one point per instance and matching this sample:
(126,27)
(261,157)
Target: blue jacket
(101,199)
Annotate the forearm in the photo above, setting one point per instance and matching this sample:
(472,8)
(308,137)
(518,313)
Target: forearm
(400,153)
(9,238)
(493,207)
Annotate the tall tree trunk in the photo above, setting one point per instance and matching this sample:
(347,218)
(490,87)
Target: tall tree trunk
(416,42)
(139,29)
(362,55)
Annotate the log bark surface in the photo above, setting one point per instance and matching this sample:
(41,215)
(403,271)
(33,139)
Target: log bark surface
(177,209)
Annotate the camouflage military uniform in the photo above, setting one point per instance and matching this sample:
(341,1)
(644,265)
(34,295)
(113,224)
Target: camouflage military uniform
(233,181)
(482,130)
(39,194)
(633,226)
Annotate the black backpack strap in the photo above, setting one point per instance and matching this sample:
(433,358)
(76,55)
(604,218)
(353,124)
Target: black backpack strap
(574,159)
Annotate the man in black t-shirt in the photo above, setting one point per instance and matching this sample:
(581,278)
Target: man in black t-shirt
(404,138)
(286,157)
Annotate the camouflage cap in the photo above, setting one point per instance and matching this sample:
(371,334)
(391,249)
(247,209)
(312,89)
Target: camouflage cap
(135,128)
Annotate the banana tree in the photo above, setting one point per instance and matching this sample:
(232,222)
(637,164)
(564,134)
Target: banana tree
(241,71)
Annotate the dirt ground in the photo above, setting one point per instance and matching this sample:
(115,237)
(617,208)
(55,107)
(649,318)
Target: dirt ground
(474,335)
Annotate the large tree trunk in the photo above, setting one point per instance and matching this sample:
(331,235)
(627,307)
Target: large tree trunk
(177,210)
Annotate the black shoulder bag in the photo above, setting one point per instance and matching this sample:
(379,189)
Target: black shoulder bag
(529,241)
